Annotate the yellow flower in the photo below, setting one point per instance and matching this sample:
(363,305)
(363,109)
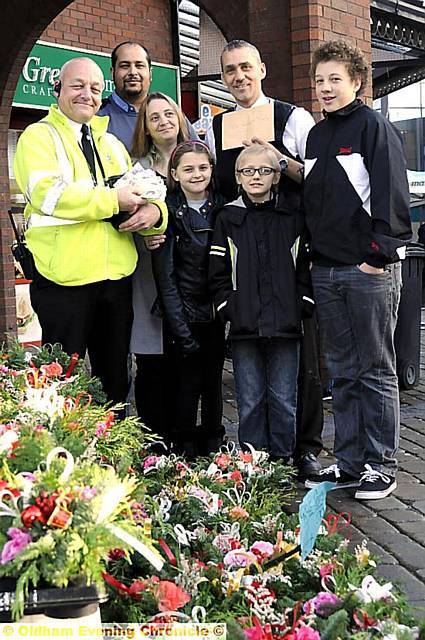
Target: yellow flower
(362,554)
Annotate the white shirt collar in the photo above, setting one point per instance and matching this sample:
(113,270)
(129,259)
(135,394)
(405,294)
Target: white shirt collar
(76,126)
(261,100)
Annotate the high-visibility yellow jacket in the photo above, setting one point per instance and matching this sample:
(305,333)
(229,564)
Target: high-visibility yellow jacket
(69,234)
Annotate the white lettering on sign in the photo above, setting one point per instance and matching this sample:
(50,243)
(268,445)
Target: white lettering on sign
(32,71)
(27,69)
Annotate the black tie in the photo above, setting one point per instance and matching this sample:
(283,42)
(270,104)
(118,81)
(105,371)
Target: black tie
(87,148)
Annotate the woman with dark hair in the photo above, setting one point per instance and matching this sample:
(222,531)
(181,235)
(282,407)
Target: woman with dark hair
(160,126)
(181,272)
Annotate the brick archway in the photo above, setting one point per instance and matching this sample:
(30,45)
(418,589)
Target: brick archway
(265,23)
(285,32)
(21,23)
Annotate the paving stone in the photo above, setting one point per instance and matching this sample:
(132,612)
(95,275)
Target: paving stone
(340,501)
(415,530)
(378,529)
(414,436)
(411,492)
(403,477)
(411,448)
(412,465)
(420,506)
(402,515)
(385,504)
(230,412)
(410,554)
(414,423)
(414,587)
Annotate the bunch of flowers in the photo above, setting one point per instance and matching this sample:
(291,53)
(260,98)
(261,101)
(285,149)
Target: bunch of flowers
(218,539)
(46,403)
(59,525)
(232,550)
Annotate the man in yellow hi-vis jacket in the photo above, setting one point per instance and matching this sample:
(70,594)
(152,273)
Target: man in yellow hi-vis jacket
(81,289)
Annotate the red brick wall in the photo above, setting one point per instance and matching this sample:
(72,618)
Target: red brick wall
(315,21)
(102,24)
(270,31)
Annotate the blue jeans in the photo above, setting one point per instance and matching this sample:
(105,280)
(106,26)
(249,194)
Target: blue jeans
(357,318)
(265,371)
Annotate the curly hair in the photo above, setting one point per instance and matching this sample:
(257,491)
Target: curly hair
(339,51)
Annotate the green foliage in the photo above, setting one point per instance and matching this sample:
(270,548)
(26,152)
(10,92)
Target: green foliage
(335,626)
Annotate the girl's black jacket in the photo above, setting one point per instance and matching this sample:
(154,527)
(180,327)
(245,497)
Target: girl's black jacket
(180,266)
(356,194)
(252,270)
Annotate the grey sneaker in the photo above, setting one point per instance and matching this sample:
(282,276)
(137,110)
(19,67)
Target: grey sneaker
(333,473)
(375,485)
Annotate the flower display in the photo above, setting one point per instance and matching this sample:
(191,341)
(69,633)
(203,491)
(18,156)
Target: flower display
(213,540)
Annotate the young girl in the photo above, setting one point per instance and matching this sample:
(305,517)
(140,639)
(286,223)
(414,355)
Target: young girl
(181,269)
(252,276)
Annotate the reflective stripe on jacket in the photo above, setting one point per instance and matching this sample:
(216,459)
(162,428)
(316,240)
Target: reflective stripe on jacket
(69,234)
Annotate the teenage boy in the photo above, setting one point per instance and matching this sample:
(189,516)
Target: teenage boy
(356,200)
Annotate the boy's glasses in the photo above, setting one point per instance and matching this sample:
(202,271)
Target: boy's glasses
(262,171)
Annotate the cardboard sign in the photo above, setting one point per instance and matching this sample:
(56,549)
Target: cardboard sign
(245,124)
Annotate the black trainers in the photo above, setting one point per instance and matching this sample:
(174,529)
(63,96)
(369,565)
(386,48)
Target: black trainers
(307,465)
(333,473)
(375,485)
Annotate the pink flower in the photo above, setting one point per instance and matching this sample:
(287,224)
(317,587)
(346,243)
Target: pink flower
(170,597)
(238,558)
(223,460)
(102,430)
(254,633)
(323,604)
(307,633)
(150,461)
(19,540)
(262,549)
(88,493)
(326,569)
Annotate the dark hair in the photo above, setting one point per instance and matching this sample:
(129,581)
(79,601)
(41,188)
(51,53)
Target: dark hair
(340,51)
(114,54)
(142,141)
(238,44)
(189,146)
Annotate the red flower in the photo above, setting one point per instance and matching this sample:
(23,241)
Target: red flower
(4,485)
(52,370)
(116,554)
(236,476)
(30,515)
(223,460)
(136,588)
(245,457)
(170,597)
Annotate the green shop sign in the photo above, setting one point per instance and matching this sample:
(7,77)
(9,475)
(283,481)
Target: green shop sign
(42,67)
